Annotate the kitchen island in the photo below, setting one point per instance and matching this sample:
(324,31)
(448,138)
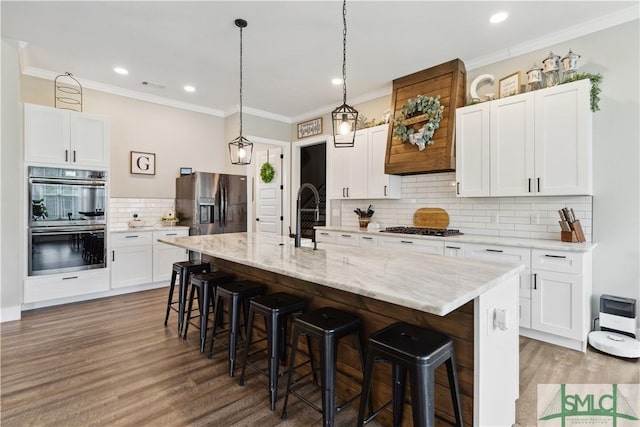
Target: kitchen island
(463,298)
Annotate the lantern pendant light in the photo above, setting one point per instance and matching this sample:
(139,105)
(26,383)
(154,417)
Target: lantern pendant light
(344,117)
(240,149)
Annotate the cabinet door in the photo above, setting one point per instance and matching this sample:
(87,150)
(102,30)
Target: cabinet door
(131,265)
(380,185)
(472,151)
(325,236)
(556,304)
(563,140)
(46,134)
(347,239)
(163,258)
(512,146)
(337,173)
(454,249)
(89,140)
(50,287)
(524,308)
(356,166)
(409,244)
(504,254)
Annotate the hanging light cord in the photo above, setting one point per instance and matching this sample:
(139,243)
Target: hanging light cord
(241,84)
(344,51)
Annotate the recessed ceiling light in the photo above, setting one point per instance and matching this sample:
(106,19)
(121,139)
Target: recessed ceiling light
(121,70)
(189,88)
(336,81)
(496,18)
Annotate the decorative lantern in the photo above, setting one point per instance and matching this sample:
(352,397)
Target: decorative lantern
(534,78)
(570,65)
(551,67)
(240,149)
(67,92)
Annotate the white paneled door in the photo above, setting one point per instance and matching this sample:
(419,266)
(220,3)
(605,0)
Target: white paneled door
(269,194)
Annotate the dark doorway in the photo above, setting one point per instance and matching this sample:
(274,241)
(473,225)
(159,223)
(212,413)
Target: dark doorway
(313,169)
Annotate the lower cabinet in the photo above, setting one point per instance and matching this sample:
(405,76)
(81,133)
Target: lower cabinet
(453,249)
(138,258)
(50,287)
(410,244)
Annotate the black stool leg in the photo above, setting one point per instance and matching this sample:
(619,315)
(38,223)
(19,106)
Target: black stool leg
(247,344)
(217,307)
(422,389)
(184,284)
(361,345)
(171,288)
(204,315)
(191,294)
(366,386)
(234,332)
(273,329)
(453,386)
(399,377)
(328,350)
(292,364)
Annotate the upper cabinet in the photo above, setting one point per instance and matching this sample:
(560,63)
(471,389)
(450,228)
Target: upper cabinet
(358,172)
(64,137)
(538,143)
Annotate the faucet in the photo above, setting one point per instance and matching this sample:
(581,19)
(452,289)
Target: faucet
(300,210)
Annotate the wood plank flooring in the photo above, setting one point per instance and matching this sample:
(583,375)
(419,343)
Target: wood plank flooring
(111,362)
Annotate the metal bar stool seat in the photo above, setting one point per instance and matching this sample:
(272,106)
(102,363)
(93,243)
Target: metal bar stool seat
(328,325)
(238,294)
(276,309)
(184,269)
(205,285)
(417,351)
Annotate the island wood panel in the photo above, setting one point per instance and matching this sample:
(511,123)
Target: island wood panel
(376,315)
(447,80)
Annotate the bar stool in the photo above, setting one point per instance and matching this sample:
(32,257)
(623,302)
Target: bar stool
(276,309)
(184,269)
(238,294)
(205,284)
(418,351)
(328,325)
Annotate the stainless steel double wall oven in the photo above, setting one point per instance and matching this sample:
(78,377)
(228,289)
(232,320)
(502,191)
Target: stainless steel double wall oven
(67,220)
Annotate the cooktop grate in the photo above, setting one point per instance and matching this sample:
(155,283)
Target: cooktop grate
(423,231)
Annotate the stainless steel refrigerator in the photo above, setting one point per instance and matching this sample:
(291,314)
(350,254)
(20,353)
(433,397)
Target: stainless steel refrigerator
(212,203)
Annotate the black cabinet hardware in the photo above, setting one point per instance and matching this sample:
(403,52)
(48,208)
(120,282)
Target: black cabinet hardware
(70,278)
(113,256)
(529,185)
(555,256)
(457,188)
(452,247)
(494,250)
(538,185)
(406,241)
(535,280)
(131,237)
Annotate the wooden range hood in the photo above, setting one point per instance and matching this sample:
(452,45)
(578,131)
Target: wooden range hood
(447,80)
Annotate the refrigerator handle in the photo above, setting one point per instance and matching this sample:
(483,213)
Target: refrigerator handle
(224,205)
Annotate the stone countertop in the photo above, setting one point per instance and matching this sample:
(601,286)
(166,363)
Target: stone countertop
(155,227)
(431,283)
(520,242)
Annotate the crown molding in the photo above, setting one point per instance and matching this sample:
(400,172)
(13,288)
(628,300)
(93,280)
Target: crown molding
(89,84)
(258,113)
(602,23)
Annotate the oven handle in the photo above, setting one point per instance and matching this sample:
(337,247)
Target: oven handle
(52,231)
(89,182)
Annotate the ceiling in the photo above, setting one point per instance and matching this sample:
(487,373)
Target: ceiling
(292,49)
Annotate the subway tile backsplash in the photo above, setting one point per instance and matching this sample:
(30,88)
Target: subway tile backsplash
(150,211)
(530,217)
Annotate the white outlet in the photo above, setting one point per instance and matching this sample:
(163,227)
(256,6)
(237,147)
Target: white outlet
(491,315)
(535,218)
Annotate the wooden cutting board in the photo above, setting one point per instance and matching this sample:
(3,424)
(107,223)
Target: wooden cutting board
(431,218)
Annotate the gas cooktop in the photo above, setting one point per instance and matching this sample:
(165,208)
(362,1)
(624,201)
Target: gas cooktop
(423,231)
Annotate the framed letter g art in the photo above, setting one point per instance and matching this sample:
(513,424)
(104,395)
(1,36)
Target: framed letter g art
(143,163)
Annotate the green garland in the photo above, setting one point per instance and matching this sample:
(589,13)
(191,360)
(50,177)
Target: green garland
(594,95)
(426,105)
(267,172)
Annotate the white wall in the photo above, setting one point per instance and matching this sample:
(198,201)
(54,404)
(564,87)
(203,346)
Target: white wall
(11,224)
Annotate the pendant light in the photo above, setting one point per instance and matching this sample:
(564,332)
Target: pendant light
(240,149)
(344,117)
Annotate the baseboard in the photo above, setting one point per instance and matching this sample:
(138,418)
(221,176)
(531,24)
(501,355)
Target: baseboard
(554,339)
(97,295)
(7,314)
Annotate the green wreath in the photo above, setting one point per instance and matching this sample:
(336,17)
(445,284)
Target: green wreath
(424,136)
(267,172)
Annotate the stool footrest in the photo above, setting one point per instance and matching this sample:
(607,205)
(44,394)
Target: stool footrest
(375,414)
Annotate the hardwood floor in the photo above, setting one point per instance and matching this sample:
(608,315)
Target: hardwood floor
(112,362)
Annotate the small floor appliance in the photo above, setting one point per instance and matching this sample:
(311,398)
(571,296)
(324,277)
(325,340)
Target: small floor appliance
(617,327)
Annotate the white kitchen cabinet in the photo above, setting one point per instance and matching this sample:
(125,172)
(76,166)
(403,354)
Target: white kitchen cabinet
(348,239)
(454,249)
(65,138)
(380,185)
(165,255)
(560,295)
(411,244)
(358,172)
(131,259)
(472,156)
(51,287)
(539,143)
(368,240)
(348,168)
(325,236)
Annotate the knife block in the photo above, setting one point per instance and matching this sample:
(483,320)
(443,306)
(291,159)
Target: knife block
(575,235)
